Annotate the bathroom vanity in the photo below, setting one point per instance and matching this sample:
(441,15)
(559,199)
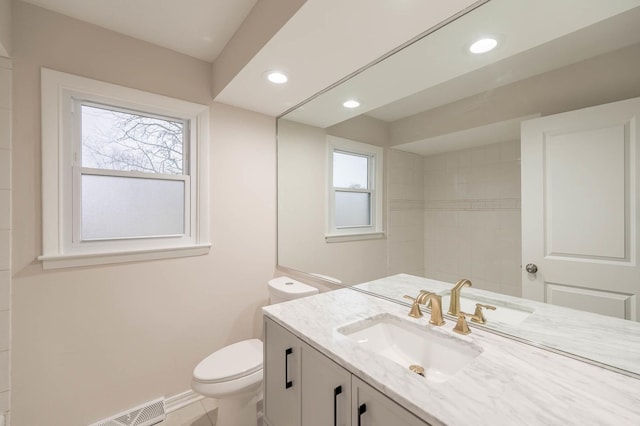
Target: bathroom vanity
(348,358)
(610,342)
(309,388)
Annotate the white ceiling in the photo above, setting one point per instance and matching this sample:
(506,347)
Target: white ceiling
(604,36)
(440,69)
(327,40)
(502,131)
(198,28)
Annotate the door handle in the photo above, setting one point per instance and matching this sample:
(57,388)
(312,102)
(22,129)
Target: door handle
(287,383)
(361,410)
(337,391)
(531,268)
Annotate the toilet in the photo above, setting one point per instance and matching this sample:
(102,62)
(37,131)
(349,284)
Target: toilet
(233,374)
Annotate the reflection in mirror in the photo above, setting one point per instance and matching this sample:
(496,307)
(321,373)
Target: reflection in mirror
(525,154)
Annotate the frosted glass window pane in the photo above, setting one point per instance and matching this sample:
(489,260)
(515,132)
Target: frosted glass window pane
(121,207)
(353,209)
(116,140)
(350,171)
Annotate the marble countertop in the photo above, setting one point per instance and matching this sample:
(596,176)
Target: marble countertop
(508,383)
(607,340)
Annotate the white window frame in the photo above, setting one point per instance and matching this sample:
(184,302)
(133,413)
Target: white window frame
(62,95)
(374,155)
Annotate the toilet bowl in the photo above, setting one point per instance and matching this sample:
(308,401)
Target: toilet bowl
(233,374)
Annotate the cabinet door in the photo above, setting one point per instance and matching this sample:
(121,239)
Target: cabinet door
(371,408)
(326,391)
(282,382)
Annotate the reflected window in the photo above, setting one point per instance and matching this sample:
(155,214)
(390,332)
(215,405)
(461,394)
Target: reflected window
(355,188)
(350,170)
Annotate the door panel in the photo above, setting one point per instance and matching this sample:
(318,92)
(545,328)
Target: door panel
(601,302)
(585,190)
(580,189)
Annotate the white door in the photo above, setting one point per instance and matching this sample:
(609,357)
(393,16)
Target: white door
(580,215)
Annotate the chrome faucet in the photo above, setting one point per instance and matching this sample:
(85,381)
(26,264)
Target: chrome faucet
(454,301)
(436,306)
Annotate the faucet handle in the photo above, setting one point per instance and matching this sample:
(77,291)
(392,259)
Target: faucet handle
(461,326)
(478,315)
(415,307)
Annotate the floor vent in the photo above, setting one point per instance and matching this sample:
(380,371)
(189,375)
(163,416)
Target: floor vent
(144,415)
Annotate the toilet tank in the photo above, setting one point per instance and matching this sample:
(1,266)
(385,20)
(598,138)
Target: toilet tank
(282,289)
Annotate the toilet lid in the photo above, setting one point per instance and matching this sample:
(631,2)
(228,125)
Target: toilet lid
(231,362)
(288,289)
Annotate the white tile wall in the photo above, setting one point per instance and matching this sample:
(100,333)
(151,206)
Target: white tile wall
(5,290)
(4,401)
(5,168)
(5,247)
(472,217)
(5,331)
(5,233)
(5,86)
(5,122)
(405,215)
(4,372)
(5,217)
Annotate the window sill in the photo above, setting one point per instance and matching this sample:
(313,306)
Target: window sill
(91,259)
(354,237)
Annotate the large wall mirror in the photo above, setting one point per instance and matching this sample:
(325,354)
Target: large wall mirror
(453,164)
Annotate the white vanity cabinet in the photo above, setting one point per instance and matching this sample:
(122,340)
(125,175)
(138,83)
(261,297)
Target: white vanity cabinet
(326,390)
(282,386)
(371,408)
(304,387)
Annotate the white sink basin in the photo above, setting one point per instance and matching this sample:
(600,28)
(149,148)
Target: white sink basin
(408,344)
(505,314)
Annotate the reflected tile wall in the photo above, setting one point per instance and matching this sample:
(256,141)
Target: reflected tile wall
(405,214)
(472,217)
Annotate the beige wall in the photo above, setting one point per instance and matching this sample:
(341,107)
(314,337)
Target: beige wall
(5,233)
(302,211)
(91,342)
(5,28)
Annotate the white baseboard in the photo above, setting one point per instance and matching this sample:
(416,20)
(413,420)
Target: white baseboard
(180,400)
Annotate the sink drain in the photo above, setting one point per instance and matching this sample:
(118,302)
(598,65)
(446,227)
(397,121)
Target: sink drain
(418,369)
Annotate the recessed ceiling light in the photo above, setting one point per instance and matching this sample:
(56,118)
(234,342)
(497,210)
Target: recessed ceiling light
(483,45)
(351,103)
(277,77)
